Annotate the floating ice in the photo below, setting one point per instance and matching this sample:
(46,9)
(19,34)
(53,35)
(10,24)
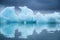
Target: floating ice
(25,15)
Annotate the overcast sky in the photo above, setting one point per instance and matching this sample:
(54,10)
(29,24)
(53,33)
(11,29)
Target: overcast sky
(34,4)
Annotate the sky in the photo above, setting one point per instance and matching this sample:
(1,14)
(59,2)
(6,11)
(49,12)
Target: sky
(34,4)
(27,14)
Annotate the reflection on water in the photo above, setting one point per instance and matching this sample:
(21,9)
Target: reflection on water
(8,29)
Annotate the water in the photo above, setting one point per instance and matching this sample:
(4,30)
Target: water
(8,29)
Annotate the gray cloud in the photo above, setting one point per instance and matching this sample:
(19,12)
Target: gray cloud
(34,4)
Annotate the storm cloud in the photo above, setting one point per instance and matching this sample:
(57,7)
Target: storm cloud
(34,4)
